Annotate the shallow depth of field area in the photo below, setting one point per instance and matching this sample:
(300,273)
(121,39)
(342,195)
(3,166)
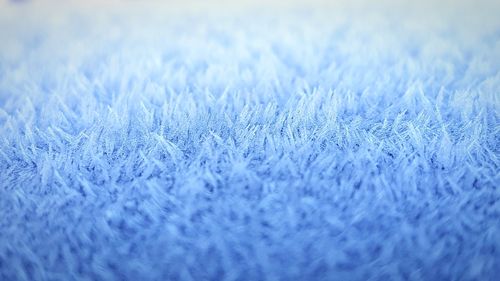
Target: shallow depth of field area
(322,140)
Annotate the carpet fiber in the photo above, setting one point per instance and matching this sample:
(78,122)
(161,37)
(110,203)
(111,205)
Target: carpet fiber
(320,141)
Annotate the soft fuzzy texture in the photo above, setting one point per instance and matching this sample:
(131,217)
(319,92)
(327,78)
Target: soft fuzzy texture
(330,143)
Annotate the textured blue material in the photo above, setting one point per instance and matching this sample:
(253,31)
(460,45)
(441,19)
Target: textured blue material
(304,146)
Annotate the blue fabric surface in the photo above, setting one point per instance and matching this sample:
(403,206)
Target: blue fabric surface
(325,144)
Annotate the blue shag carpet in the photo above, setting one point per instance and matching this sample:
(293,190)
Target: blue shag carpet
(270,141)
